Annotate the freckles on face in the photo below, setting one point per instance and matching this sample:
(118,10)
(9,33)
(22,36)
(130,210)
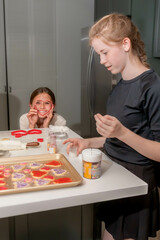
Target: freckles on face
(43,104)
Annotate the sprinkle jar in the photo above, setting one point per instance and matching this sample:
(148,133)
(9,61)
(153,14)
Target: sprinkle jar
(91,163)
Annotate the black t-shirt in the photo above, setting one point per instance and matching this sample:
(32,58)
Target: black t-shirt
(136,104)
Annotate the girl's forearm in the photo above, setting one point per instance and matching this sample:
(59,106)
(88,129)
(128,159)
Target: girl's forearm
(96,142)
(146,147)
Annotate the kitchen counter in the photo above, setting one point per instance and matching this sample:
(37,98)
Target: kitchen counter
(115,182)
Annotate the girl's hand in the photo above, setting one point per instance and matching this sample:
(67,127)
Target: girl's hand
(48,118)
(108,126)
(77,142)
(32,117)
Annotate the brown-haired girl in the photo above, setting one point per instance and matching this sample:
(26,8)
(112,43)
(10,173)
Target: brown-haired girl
(41,113)
(131,129)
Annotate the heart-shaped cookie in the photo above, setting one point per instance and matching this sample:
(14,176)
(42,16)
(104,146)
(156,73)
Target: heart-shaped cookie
(63,180)
(38,174)
(53,163)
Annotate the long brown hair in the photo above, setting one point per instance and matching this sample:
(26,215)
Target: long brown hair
(114,28)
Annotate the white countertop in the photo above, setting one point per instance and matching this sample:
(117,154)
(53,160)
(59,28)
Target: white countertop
(115,182)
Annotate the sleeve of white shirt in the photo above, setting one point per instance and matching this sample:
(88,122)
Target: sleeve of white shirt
(58,120)
(23,122)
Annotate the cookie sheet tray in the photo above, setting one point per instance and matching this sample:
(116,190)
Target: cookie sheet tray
(18,174)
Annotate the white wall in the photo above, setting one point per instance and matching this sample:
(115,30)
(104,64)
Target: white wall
(71,16)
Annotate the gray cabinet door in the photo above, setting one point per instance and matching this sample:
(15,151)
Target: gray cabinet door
(156,46)
(3,94)
(104,7)
(143,18)
(31,51)
(123,6)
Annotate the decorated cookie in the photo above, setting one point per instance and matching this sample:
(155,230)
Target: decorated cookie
(17,167)
(1,177)
(2,183)
(1,172)
(1,167)
(27,170)
(20,184)
(7,174)
(45,169)
(53,163)
(35,165)
(28,179)
(17,176)
(41,182)
(63,180)
(7,170)
(49,177)
(23,163)
(3,188)
(58,171)
(38,174)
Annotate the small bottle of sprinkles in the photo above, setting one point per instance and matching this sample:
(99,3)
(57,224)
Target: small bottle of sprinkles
(91,163)
(51,146)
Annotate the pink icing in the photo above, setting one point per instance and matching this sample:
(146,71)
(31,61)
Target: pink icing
(27,170)
(28,179)
(7,169)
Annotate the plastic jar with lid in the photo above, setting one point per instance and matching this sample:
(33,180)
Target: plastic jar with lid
(60,137)
(91,163)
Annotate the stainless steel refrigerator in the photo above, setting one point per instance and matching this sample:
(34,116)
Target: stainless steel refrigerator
(96,84)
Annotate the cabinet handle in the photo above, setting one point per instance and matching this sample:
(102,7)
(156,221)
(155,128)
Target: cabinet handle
(10,89)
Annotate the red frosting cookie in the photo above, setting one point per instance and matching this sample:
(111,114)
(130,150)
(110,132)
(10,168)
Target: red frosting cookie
(1,177)
(53,163)
(45,169)
(49,177)
(3,188)
(1,167)
(63,180)
(2,183)
(38,174)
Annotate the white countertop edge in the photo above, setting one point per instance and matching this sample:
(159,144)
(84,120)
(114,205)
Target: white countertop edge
(70,201)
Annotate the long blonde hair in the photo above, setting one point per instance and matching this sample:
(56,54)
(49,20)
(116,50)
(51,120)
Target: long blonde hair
(114,28)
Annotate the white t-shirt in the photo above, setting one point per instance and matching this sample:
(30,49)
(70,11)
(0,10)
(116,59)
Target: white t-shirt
(57,120)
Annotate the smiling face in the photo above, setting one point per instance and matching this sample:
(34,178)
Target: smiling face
(43,104)
(113,56)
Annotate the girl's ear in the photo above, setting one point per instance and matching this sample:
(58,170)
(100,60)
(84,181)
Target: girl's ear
(53,105)
(126,44)
(30,105)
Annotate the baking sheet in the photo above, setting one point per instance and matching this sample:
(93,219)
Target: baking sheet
(28,162)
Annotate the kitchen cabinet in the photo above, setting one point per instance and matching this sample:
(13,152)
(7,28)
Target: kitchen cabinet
(30,52)
(105,7)
(40,46)
(3,88)
(6,229)
(156,46)
(143,13)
